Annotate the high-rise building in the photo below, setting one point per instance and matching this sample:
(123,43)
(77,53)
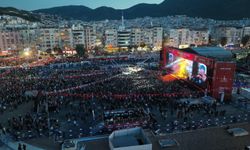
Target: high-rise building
(123,36)
(147,37)
(90,37)
(136,37)
(10,40)
(246,31)
(157,37)
(50,38)
(233,35)
(199,37)
(78,36)
(179,37)
(85,35)
(66,38)
(30,37)
(186,37)
(110,37)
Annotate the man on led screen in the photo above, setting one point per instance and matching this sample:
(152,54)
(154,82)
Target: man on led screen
(171,58)
(202,73)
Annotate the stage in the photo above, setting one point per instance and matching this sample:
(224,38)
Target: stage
(210,69)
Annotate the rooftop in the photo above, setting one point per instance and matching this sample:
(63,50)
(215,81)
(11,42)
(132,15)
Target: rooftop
(211,52)
(205,139)
(128,137)
(125,141)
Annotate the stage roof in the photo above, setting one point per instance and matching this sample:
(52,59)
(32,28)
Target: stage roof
(211,52)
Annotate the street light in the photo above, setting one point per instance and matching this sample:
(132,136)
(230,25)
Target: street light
(27,53)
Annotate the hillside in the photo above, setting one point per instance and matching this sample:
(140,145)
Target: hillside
(215,9)
(18,13)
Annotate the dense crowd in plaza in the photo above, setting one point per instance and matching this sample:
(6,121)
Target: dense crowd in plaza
(15,61)
(76,93)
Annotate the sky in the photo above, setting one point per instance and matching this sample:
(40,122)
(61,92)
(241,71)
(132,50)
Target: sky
(38,4)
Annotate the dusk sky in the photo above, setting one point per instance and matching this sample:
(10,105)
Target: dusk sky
(37,4)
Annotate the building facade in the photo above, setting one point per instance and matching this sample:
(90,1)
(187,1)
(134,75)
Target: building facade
(49,38)
(10,40)
(110,37)
(123,38)
(90,37)
(78,37)
(233,35)
(188,37)
(179,37)
(199,37)
(157,37)
(136,36)
(246,31)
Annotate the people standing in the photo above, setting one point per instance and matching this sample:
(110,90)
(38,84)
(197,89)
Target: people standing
(19,147)
(24,146)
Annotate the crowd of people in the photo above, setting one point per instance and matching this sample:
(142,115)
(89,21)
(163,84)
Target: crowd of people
(72,92)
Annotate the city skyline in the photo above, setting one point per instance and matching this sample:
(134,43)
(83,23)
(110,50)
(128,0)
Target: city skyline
(116,74)
(33,5)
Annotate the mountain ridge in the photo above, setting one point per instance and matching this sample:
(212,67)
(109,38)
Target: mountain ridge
(11,11)
(214,9)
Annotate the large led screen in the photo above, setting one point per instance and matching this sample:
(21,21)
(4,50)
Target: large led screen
(187,69)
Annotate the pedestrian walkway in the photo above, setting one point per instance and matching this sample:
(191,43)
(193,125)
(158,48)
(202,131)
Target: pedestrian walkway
(9,144)
(14,146)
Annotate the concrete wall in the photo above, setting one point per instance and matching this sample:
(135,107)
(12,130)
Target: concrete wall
(138,147)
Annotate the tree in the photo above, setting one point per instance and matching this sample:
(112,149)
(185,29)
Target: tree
(223,41)
(80,50)
(95,50)
(245,40)
(142,44)
(58,50)
(130,47)
(48,51)
(210,39)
